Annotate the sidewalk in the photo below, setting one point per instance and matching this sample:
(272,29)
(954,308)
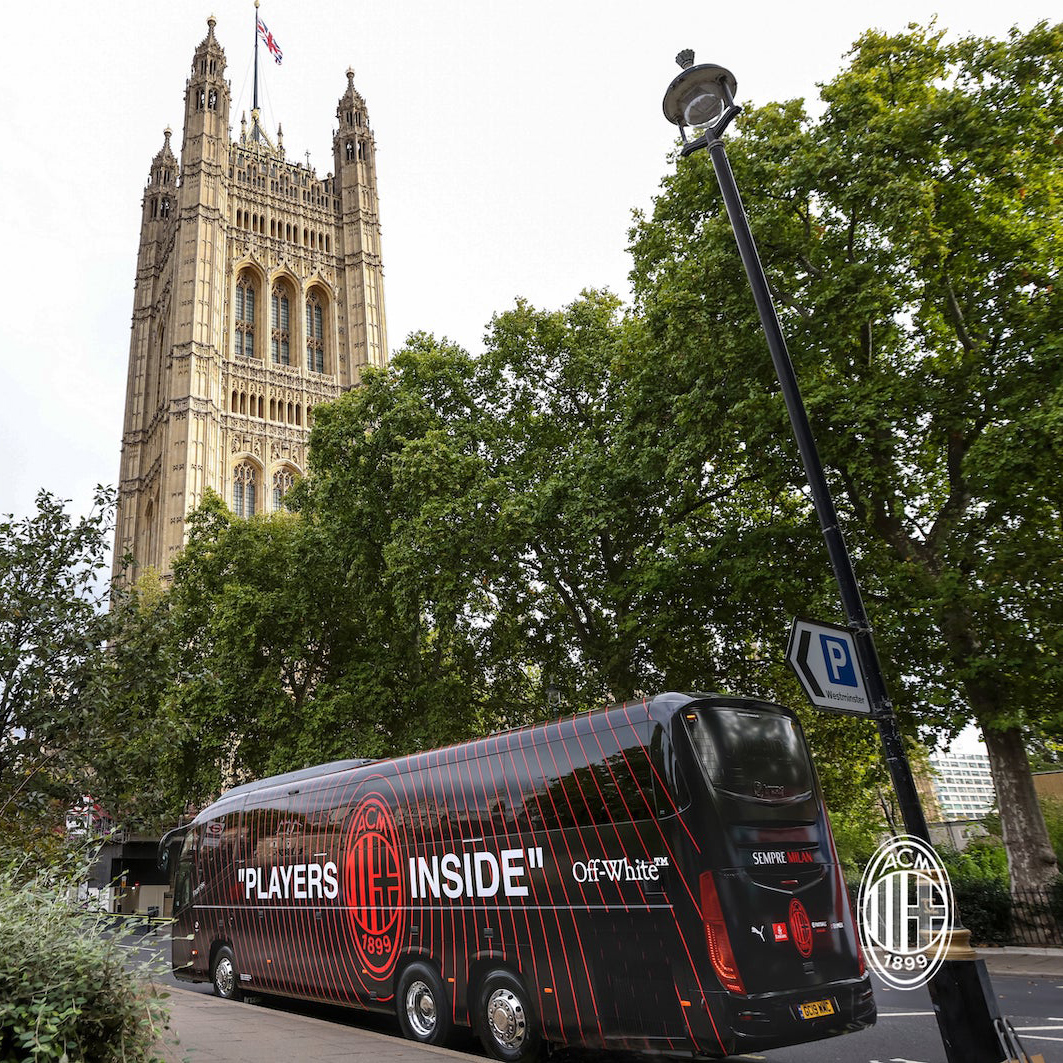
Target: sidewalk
(205,1028)
(1035,963)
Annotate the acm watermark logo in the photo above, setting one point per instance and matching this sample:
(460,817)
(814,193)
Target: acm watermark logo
(906,912)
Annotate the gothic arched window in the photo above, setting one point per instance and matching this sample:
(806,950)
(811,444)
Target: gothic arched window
(315,334)
(280,335)
(283,481)
(245,316)
(245,480)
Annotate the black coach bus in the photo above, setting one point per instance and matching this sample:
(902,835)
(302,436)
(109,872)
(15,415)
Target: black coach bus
(658,875)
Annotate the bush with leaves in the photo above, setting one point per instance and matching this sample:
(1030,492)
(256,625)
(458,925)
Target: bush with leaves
(67,990)
(985,905)
(979,876)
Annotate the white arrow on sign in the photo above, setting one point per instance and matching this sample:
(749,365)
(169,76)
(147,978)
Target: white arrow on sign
(823,657)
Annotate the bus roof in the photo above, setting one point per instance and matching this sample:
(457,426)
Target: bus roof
(661,707)
(300,775)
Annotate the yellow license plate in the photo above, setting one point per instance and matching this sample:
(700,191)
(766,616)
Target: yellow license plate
(816,1009)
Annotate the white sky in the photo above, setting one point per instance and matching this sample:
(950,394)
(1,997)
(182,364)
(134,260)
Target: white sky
(513,143)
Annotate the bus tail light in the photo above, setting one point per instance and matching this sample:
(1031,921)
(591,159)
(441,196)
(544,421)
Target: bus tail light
(716,938)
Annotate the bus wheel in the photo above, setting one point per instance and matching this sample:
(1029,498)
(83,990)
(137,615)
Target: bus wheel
(505,1019)
(421,1005)
(224,976)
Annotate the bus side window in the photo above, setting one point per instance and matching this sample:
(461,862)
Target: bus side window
(528,789)
(469,811)
(269,830)
(670,792)
(624,774)
(581,788)
(564,812)
(498,803)
(182,892)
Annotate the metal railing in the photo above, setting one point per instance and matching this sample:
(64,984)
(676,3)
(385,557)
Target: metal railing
(995,916)
(1036,918)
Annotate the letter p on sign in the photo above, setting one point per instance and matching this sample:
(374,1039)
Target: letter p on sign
(840,667)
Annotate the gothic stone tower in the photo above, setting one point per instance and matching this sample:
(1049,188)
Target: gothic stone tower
(259,294)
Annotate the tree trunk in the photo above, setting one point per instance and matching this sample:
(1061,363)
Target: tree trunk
(1031,860)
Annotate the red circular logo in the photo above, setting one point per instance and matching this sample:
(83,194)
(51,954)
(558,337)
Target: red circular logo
(374,885)
(800,928)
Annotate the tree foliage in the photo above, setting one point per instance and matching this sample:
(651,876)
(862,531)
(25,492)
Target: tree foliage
(134,763)
(912,238)
(52,620)
(472,532)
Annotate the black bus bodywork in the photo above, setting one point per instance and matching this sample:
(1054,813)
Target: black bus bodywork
(658,875)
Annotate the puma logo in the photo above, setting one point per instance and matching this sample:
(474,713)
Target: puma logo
(758,930)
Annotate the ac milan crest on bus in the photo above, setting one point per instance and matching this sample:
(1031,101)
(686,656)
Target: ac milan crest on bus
(800,928)
(374,886)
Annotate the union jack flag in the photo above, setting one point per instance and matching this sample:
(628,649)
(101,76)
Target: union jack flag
(271,44)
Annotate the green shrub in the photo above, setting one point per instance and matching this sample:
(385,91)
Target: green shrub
(985,908)
(67,993)
(979,877)
(984,859)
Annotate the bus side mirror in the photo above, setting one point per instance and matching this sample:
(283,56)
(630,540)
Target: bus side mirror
(169,846)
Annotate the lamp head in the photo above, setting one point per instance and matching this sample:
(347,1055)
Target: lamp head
(700,95)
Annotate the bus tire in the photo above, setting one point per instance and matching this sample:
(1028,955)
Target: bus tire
(224,975)
(422,1007)
(505,1019)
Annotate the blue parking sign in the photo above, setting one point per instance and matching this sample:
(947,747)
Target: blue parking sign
(825,660)
(838,660)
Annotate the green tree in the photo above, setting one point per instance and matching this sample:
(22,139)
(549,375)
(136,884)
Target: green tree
(472,530)
(52,600)
(136,764)
(538,513)
(401,485)
(253,646)
(912,236)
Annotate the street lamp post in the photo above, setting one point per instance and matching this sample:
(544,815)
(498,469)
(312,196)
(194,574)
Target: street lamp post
(701,99)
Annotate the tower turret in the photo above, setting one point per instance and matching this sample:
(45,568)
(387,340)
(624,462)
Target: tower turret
(161,188)
(206,95)
(354,151)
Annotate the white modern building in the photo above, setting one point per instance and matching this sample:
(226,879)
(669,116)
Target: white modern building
(963,784)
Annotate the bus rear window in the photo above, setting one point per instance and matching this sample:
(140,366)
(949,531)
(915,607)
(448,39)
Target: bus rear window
(757,756)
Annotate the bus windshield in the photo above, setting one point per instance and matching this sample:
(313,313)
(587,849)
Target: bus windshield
(756,756)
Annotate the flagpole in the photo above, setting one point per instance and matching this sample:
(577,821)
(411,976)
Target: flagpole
(254,99)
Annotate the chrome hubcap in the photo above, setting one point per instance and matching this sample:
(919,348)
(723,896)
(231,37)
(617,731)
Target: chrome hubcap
(421,1008)
(224,976)
(506,1018)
